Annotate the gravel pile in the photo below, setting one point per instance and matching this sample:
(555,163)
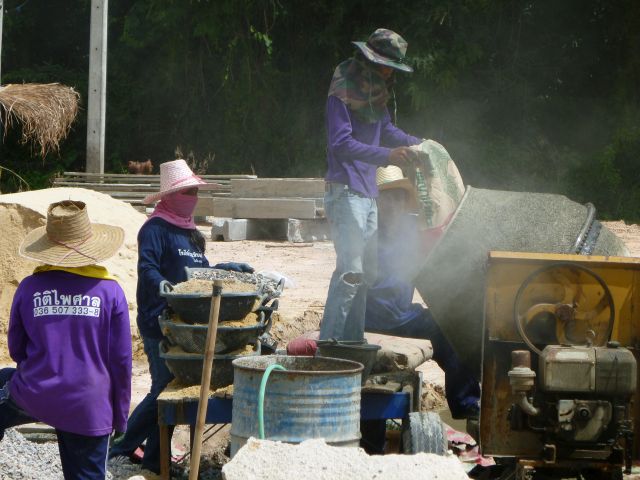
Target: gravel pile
(267,285)
(22,459)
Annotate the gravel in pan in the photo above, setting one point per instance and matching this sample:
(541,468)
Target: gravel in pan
(269,286)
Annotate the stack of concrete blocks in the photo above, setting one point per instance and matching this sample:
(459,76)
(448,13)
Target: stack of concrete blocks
(271,209)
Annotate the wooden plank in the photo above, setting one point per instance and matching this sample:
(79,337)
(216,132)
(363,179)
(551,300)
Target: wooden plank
(277,187)
(265,208)
(156,176)
(146,187)
(102,180)
(128,187)
(35,427)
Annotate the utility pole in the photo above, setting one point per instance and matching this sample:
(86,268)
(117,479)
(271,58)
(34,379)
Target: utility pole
(97,86)
(1,15)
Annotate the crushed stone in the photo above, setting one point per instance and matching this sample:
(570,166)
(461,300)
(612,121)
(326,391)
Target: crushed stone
(267,285)
(22,459)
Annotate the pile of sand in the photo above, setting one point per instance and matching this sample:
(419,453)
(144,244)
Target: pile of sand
(22,212)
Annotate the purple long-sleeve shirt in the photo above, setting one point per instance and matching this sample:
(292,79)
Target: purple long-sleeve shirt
(71,340)
(356,149)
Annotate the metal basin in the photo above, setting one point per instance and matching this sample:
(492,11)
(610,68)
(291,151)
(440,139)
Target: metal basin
(195,307)
(192,337)
(187,367)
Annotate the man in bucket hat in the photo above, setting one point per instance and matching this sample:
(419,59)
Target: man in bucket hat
(360,138)
(69,335)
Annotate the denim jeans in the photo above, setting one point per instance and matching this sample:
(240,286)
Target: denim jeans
(353,219)
(143,422)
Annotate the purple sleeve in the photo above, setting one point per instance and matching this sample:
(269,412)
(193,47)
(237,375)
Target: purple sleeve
(120,361)
(394,137)
(16,337)
(340,137)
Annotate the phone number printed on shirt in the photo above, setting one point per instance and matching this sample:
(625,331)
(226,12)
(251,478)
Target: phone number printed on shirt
(79,310)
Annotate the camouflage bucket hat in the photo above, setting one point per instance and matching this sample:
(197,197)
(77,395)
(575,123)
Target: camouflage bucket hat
(385,47)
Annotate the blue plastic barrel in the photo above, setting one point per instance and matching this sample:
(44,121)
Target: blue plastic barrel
(315,397)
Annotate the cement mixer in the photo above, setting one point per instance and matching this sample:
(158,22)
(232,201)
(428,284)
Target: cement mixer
(540,300)
(452,277)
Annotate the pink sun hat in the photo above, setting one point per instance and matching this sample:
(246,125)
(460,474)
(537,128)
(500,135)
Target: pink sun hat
(175,176)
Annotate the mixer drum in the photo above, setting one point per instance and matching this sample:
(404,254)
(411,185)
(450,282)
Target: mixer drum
(452,277)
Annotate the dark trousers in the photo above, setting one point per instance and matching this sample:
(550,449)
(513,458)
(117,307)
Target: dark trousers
(82,457)
(143,421)
(11,415)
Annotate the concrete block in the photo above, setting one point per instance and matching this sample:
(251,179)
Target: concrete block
(217,227)
(236,229)
(307,230)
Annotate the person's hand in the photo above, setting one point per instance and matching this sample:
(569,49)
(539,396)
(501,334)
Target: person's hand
(400,156)
(235,267)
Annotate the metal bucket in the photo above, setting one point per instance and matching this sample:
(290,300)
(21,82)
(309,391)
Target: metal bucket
(451,278)
(361,352)
(315,397)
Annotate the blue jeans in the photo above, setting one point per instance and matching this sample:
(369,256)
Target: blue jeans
(143,422)
(82,457)
(353,219)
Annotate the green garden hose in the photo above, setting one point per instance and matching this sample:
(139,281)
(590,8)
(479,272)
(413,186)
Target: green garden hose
(263,386)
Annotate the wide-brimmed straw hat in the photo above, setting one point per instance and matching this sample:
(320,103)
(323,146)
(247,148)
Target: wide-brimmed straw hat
(69,239)
(385,47)
(175,176)
(391,177)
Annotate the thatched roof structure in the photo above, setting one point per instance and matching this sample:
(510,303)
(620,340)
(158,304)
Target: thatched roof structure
(45,111)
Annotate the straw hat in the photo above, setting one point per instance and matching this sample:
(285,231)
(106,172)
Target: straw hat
(175,176)
(391,177)
(69,239)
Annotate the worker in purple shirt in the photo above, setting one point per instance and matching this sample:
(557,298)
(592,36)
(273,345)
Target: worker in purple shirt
(70,337)
(360,138)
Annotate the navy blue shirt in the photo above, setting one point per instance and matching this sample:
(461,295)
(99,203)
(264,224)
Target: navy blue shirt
(163,252)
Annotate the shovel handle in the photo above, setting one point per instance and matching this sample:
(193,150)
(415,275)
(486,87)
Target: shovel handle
(210,344)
